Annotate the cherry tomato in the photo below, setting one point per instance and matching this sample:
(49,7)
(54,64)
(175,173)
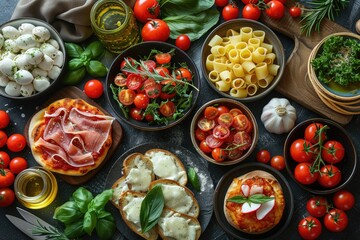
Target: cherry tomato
(183,42)
(4,119)
(218,154)
(249,1)
(134,81)
(221,131)
(295,11)
(146,9)
(251,11)
(336,220)
(167,109)
(205,147)
(312,133)
(183,73)
(275,9)
(263,156)
(93,88)
(309,228)
(125,63)
(213,142)
(162,71)
(120,80)
(240,122)
(149,117)
(344,200)
(18,164)
(155,30)
(147,65)
(127,96)
(16,142)
(7,197)
(243,140)
(200,134)
(206,124)
(282,1)
(6,178)
(3,138)
(317,206)
(333,152)
(152,91)
(303,174)
(277,162)
(136,114)
(330,176)
(234,153)
(4,160)
(141,101)
(222,109)
(230,11)
(225,119)
(235,111)
(211,112)
(301,151)
(221,3)
(163,58)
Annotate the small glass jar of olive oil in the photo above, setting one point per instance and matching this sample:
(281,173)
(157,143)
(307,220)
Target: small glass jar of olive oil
(114,24)
(35,187)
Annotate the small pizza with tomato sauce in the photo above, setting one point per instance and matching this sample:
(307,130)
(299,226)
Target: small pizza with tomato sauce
(70,136)
(254,202)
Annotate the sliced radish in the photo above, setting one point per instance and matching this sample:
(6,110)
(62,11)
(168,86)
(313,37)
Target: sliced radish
(264,209)
(250,207)
(256,189)
(245,189)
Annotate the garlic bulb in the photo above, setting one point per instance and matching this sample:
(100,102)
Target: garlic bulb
(278,116)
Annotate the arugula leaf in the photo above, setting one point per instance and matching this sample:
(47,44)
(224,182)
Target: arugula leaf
(256,198)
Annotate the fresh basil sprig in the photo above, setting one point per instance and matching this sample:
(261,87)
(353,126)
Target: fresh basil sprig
(256,198)
(194,179)
(151,208)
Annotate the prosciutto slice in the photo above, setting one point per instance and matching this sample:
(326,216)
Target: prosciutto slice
(74,136)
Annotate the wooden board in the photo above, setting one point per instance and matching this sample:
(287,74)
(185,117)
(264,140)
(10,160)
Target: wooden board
(295,83)
(117,132)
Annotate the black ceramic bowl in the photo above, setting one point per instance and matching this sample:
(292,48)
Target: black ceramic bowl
(141,51)
(335,132)
(54,83)
(220,193)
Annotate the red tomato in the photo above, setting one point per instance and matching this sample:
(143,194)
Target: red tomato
(251,11)
(155,30)
(303,174)
(162,71)
(6,178)
(336,220)
(125,64)
(141,101)
(344,200)
(282,1)
(221,3)
(218,154)
(136,114)
(147,65)
(127,96)
(18,164)
(152,91)
(234,153)
(149,117)
(167,109)
(221,131)
(312,133)
(235,111)
(213,142)
(205,147)
(295,11)
(222,109)
(16,142)
(317,206)
(206,124)
(263,156)
(333,152)
(240,122)
(330,176)
(7,197)
(309,228)
(230,11)
(225,119)
(134,81)
(163,58)
(243,140)
(93,88)
(211,112)
(200,134)
(275,9)
(120,80)
(4,160)
(183,73)
(183,42)
(3,138)
(4,119)
(249,1)
(277,162)
(300,151)
(144,10)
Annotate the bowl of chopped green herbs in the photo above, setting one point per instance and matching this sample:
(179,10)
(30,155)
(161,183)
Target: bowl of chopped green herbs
(152,85)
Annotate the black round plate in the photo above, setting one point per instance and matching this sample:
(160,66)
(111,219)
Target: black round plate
(189,159)
(219,197)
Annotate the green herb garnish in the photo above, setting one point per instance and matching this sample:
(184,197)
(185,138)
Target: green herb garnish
(194,179)
(256,198)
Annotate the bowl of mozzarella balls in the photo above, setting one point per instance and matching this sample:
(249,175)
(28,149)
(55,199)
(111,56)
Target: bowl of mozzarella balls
(32,58)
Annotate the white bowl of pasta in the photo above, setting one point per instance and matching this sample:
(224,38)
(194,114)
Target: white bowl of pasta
(242,59)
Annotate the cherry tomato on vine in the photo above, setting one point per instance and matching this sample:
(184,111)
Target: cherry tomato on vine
(275,9)
(18,164)
(4,119)
(3,138)
(344,200)
(221,3)
(277,162)
(251,11)
(336,220)
(16,142)
(301,151)
(312,133)
(183,42)
(243,139)
(317,206)
(263,156)
(7,197)
(146,9)
(6,178)
(295,11)
(304,175)
(155,30)
(93,88)
(333,152)
(330,176)
(4,159)
(230,11)
(309,228)
(218,154)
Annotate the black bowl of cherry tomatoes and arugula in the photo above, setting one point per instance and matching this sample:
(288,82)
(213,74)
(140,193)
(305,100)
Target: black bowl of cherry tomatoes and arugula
(152,85)
(320,156)
(224,131)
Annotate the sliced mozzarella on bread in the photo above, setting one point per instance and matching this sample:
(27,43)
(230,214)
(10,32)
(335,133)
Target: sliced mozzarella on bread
(119,187)
(167,165)
(177,197)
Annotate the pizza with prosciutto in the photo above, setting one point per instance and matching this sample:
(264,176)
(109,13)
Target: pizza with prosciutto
(70,136)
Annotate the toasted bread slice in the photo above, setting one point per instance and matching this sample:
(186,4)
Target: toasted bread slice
(174,225)
(129,207)
(119,187)
(167,165)
(178,197)
(138,171)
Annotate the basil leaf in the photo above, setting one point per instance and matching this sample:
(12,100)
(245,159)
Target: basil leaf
(184,7)
(237,199)
(96,69)
(74,230)
(259,198)
(193,26)
(74,77)
(194,179)
(82,198)
(73,50)
(105,226)
(99,202)
(68,213)
(151,208)
(90,221)
(96,48)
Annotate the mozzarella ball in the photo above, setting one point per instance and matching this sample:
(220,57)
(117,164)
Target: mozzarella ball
(26,28)
(41,83)
(26,41)
(4,80)
(8,54)
(47,63)
(8,67)
(2,39)
(27,90)
(54,72)
(22,62)
(11,46)
(39,72)
(36,55)
(13,89)
(59,59)
(54,43)
(9,32)
(41,34)
(49,50)
(23,77)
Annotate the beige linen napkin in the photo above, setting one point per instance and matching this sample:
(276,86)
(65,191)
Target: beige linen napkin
(71,18)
